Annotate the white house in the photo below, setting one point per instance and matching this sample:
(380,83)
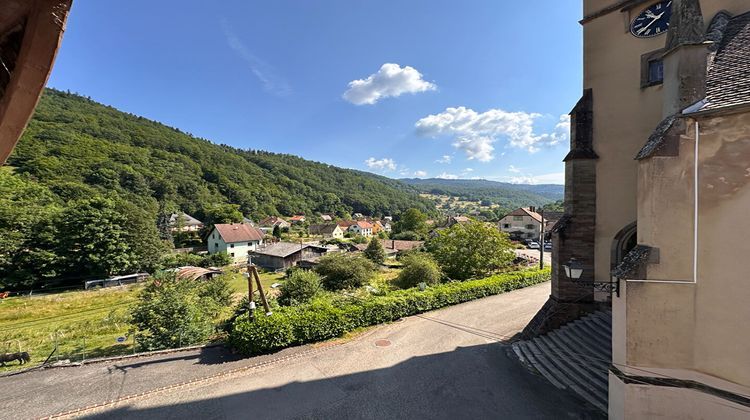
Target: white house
(522,224)
(236,239)
(329,230)
(184,222)
(361,228)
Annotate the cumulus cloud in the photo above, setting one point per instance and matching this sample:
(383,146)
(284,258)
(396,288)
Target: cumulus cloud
(475,133)
(263,71)
(445,159)
(390,81)
(446,175)
(420,174)
(552,178)
(384,164)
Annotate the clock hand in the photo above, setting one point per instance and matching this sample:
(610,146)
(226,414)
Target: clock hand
(640,31)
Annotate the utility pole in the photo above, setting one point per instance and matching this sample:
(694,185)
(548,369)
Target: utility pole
(541,240)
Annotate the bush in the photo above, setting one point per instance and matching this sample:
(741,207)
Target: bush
(375,252)
(418,267)
(407,236)
(300,287)
(322,320)
(172,313)
(345,271)
(219,259)
(473,249)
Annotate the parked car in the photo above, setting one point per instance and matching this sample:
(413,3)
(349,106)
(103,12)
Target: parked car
(533,245)
(548,246)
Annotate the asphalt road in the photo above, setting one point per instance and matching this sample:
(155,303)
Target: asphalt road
(450,363)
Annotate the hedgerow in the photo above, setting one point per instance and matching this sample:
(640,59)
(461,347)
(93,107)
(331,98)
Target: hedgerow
(323,319)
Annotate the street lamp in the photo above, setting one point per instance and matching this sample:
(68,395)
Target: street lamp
(574,270)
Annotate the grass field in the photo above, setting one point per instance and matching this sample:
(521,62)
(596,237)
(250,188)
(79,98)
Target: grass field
(82,323)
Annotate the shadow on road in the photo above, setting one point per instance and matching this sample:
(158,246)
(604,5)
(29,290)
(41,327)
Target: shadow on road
(470,382)
(206,356)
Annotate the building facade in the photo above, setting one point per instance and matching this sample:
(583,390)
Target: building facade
(522,224)
(236,239)
(656,174)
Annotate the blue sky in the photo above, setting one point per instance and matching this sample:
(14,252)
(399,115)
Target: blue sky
(400,88)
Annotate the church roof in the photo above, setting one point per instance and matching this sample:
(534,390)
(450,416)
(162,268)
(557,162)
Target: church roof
(728,79)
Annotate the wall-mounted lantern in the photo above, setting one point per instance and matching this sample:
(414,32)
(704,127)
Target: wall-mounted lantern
(574,270)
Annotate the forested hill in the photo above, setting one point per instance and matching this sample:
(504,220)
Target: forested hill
(78,148)
(506,194)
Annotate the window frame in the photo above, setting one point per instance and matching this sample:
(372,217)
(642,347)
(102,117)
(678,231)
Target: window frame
(646,60)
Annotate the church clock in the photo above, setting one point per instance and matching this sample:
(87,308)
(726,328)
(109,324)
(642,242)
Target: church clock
(652,21)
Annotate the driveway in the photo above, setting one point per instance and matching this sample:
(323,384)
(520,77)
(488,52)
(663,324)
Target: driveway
(534,253)
(450,363)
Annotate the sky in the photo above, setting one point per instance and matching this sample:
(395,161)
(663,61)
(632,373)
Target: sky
(434,88)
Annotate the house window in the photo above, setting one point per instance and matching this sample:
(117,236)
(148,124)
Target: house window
(232,254)
(517,218)
(652,68)
(216,245)
(529,226)
(213,236)
(506,225)
(231,245)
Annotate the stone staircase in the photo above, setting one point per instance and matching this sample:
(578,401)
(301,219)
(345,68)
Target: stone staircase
(575,356)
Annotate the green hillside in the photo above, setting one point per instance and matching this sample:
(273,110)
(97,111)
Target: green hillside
(86,172)
(509,196)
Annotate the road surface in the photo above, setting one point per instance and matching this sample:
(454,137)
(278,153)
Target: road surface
(450,363)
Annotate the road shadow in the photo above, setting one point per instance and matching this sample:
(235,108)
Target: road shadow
(214,355)
(474,382)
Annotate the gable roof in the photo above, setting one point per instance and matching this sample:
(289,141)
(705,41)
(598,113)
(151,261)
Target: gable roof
(460,219)
(187,219)
(285,249)
(728,78)
(326,217)
(324,229)
(272,221)
(238,232)
(364,225)
(297,218)
(346,223)
(525,211)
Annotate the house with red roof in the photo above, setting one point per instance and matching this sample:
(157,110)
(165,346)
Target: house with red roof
(236,239)
(361,228)
(523,223)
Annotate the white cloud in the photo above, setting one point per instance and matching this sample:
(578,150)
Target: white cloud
(384,164)
(445,175)
(552,178)
(263,71)
(475,133)
(420,174)
(513,169)
(390,81)
(445,159)
(469,170)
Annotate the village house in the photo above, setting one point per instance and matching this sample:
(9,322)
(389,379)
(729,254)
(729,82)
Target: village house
(282,255)
(452,220)
(361,228)
(326,217)
(656,176)
(269,223)
(358,216)
(236,239)
(392,247)
(182,222)
(327,231)
(297,219)
(522,224)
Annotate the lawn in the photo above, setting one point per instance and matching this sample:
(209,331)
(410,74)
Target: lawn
(83,323)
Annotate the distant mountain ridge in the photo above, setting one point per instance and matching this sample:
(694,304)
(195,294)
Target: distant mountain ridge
(503,193)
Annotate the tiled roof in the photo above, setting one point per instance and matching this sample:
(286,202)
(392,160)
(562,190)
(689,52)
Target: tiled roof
(187,219)
(728,79)
(326,229)
(284,249)
(524,211)
(272,221)
(364,225)
(238,232)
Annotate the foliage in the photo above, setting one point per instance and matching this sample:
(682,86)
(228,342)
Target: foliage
(300,287)
(344,271)
(170,312)
(217,259)
(509,196)
(325,319)
(277,232)
(472,249)
(407,236)
(412,220)
(375,251)
(557,206)
(419,267)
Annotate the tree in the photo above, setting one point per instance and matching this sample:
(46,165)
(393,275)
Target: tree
(374,251)
(223,213)
(412,220)
(344,271)
(300,287)
(419,267)
(277,232)
(471,249)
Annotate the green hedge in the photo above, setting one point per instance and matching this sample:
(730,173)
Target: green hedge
(322,320)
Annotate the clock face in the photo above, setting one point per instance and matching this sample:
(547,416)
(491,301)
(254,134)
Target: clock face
(653,20)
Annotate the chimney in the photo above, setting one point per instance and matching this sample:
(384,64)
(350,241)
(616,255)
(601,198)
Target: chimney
(532,209)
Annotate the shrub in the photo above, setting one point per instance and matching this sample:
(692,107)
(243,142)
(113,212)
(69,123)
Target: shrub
(170,312)
(344,271)
(324,319)
(300,287)
(418,267)
(407,236)
(375,252)
(472,249)
(219,259)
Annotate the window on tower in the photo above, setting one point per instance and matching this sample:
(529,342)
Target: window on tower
(652,68)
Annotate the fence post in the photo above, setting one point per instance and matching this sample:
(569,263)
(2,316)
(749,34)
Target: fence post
(57,350)
(135,340)
(83,351)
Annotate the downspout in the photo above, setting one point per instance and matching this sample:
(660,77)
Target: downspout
(695,220)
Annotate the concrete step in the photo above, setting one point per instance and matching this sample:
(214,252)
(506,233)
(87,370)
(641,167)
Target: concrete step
(593,373)
(594,331)
(537,364)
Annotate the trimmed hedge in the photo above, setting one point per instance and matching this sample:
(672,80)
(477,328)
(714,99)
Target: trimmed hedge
(322,320)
